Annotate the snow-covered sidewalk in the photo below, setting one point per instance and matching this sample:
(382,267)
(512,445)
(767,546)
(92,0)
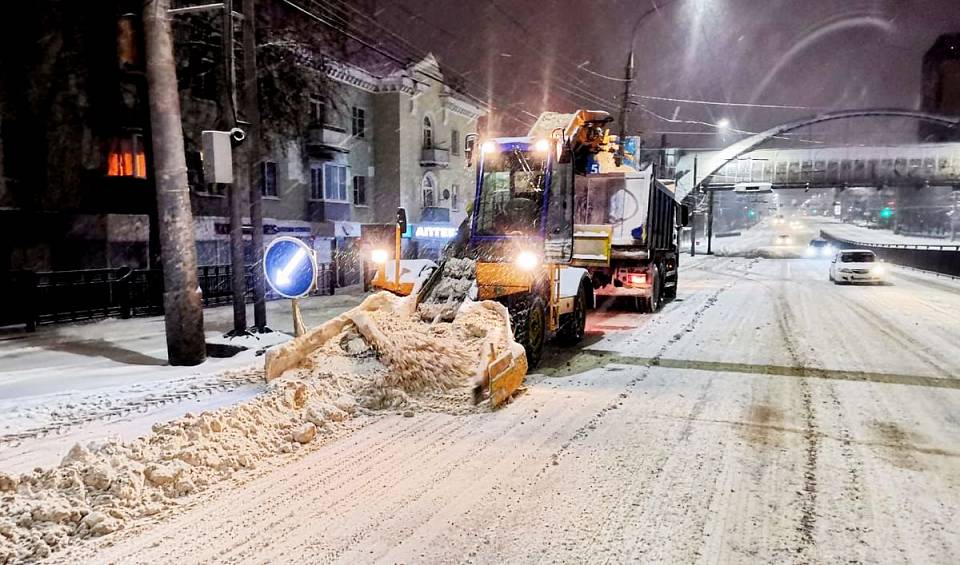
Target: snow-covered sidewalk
(81,382)
(883,237)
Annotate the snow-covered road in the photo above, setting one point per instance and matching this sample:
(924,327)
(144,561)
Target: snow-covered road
(765,416)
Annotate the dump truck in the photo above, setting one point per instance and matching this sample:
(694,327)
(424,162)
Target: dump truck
(559,218)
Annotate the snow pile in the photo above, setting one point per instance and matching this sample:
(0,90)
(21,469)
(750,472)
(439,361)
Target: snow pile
(380,357)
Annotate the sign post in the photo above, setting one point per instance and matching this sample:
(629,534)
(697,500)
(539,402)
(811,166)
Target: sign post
(290,268)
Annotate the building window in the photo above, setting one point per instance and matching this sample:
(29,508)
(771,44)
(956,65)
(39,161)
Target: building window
(195,171)
(455,197)
(427,133)
(127,157)
(359,191)
(455,142)
(318,111)
(268,178)
(428,187)
(359,122)
(329,183)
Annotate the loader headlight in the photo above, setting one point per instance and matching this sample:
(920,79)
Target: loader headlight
(488,147)
(379,255)
(542,145)
(527,260)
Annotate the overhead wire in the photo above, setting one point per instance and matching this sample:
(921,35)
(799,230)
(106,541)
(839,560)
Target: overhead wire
(366,42)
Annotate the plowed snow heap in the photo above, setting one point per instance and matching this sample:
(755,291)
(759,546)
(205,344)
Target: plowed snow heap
(379,355)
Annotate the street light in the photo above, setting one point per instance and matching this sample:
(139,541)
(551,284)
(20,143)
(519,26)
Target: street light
(628,82)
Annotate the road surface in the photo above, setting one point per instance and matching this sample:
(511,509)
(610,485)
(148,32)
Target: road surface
(765,416)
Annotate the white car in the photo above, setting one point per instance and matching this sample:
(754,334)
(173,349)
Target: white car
(857,265)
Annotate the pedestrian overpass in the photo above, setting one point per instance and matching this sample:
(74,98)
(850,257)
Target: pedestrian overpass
(820,167)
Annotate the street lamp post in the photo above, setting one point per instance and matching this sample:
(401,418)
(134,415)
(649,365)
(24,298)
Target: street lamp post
(628,75)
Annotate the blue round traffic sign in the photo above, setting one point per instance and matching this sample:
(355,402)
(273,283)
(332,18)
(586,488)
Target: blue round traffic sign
(290,267)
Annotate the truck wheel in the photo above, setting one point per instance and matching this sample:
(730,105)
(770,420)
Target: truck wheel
(671,292)
(530,327)
(574,326)
(656,290)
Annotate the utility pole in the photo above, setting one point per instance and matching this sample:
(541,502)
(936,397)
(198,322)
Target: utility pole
(710,196)
(182,305)
(625,107)
(229,118)
(693,212)
(250,156)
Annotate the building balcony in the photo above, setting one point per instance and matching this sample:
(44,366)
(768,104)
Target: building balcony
(325,140)
(434,157)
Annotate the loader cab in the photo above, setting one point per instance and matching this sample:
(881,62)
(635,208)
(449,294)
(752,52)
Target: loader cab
(524,200)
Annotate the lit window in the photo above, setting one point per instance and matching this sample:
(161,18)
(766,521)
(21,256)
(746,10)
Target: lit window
(127,158)
(427,133)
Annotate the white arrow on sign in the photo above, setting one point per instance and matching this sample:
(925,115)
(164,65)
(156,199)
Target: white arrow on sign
(283,275)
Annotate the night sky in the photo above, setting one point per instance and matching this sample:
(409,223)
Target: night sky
(526,56)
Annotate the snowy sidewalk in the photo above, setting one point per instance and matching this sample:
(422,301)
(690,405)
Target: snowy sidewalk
(883,237)
(81,382)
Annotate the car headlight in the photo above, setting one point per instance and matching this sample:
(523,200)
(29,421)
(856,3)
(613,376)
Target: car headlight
(810,252)
(879,270)
(827,251)
(527,260)
(379,255)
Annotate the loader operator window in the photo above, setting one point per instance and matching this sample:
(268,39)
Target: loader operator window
(511,194)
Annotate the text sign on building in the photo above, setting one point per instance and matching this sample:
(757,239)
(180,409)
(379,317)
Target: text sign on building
(435,232)
(290,267)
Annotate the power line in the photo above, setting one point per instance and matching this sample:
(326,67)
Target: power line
(404,63)
(718,103)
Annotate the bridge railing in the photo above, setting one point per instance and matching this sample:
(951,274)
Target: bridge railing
(942,259)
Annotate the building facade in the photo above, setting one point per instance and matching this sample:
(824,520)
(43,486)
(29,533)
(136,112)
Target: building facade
(76,189)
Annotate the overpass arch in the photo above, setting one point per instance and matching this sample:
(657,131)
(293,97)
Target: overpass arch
(686,184)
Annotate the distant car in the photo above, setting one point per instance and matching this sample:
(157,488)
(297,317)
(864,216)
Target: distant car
(778,220)
(857,265)
(795,225)
(819,248)
(784,239)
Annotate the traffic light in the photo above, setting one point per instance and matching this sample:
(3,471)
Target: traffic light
(751,213)
(886,213)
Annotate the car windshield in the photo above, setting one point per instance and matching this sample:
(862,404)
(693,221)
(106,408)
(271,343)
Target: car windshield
(818,243)
(858,257)
(511,193)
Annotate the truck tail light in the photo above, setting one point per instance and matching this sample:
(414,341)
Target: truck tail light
(637,279)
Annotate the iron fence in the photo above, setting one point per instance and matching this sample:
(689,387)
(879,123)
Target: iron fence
(50,297)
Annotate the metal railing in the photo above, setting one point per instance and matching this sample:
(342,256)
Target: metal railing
(50,297)
(943,259)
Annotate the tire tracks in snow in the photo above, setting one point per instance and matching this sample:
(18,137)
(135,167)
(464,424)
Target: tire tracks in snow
(852,484)
(585,431)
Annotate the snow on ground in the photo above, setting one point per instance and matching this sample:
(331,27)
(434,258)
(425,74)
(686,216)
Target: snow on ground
(766,415)
(763,240)
(110,378)
(866,235)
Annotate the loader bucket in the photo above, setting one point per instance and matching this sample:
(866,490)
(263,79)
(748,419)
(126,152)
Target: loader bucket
(504,374)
